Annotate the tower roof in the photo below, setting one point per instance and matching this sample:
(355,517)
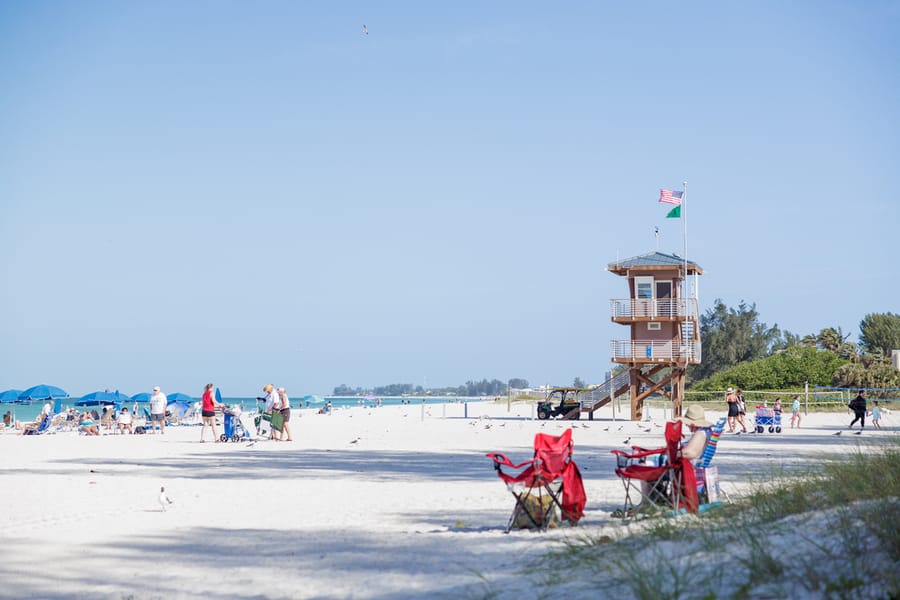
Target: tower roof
(652,261)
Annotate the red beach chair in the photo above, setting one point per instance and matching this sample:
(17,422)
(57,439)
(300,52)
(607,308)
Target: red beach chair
(547,485)
(658,477)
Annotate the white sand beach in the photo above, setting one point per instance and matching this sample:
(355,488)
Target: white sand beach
(364,503)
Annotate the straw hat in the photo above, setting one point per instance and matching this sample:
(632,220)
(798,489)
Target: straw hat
(695,415)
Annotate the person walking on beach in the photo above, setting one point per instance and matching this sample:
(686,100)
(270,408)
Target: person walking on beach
(733,411)
(284,406)
(858,406)
(742,409)
(208,406)
(158,404)
(795,411)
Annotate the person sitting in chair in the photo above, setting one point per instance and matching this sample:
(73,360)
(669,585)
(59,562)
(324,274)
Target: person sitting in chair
(695,418)
(124,421)
(87,424)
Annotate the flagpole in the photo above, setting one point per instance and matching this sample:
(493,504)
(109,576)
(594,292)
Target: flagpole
(684,234)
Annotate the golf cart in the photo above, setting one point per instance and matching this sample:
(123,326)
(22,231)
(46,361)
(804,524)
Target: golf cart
(566,400)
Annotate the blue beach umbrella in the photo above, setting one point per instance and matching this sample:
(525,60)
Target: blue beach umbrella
(10,396)
(43,392)
(102,398)
(142,397)
(178,397)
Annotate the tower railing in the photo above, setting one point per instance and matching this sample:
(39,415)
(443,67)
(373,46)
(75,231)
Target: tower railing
(656,350)
(653,308)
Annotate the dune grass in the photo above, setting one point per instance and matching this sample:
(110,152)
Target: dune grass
(832,532)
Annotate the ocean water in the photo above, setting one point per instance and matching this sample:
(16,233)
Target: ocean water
(29,412)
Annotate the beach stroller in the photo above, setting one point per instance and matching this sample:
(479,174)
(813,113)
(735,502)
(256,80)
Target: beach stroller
(767,418)
(547,487)
(234,427)
(660,477)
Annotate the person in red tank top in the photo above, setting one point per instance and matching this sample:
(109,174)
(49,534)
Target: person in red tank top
(208,410)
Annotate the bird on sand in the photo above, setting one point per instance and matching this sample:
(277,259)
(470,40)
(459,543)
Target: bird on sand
(163,498)
(626,441)
(837,433)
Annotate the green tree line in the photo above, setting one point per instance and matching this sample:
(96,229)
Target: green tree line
(740,350)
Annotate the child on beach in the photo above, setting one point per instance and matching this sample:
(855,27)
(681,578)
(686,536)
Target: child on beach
(776,408)
(795,412)
(876,415)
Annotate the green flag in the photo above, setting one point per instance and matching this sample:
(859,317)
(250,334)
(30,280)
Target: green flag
(675,213)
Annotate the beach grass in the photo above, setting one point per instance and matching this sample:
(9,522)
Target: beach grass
(832,531)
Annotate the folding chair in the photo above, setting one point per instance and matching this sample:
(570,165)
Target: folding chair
(40,428)
(548,484)
(660,477)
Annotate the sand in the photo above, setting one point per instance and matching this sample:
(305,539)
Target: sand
(390,502)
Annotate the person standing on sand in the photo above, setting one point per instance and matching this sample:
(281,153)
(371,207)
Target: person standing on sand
(733,411)
(158,404)
(795,411)
(742,409)
(858,406)
(271,402)
(208,406)
(284,406)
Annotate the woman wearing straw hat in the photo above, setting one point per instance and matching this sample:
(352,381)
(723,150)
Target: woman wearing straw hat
(695,418)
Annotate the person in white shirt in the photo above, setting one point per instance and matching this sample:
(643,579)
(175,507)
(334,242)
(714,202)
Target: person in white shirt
(158,404)
(124,421)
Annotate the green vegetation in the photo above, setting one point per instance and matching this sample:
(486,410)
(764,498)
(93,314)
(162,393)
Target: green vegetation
(494,387)
(739,350)
(831,532)
(789,368)
(880,333)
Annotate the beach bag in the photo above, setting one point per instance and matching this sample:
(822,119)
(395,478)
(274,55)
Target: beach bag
(277,421)
(536,506)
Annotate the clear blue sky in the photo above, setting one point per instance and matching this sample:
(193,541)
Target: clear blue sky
(245,192)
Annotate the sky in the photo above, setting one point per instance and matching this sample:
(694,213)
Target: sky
(243,193)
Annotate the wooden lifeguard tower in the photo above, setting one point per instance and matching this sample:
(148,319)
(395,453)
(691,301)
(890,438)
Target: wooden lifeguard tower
(664,323)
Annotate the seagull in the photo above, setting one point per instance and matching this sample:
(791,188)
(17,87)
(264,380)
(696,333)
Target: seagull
(354,441)
(626,441)
(365,30)
(163,498)
(620,428)
(859,432)
(837,433)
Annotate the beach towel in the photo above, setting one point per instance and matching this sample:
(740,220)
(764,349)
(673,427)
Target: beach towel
(277,421)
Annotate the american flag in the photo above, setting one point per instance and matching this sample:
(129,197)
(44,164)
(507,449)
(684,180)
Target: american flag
(670,197)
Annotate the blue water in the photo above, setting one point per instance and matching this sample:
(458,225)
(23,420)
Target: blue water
(28,412)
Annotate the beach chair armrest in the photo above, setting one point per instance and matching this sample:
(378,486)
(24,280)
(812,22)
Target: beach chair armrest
(501,460)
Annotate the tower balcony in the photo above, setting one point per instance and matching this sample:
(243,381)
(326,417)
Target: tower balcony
(656,351)
(631,310)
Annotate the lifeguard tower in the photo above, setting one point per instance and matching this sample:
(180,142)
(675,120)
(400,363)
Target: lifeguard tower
(663,319)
